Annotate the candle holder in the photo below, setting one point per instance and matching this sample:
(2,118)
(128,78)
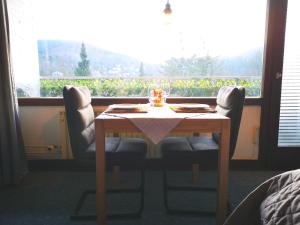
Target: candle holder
(157,93)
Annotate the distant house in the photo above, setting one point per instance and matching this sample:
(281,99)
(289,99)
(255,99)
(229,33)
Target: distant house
(57,74)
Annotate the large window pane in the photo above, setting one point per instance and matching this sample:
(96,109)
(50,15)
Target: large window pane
(119,47)
(289,121)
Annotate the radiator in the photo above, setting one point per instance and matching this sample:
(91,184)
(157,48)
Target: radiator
(61,150)
(42,152)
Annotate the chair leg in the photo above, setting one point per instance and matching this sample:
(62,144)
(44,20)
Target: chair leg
(136,214)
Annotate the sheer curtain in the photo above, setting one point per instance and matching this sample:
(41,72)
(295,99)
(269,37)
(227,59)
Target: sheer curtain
(13,166)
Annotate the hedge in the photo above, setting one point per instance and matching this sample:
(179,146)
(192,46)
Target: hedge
(138,87)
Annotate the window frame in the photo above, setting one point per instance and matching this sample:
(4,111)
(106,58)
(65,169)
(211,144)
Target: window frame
(271,155)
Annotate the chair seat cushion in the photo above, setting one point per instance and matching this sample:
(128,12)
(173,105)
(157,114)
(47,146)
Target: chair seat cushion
(129,150)
(119,149)
(175,147)
(189,149)
(203,143)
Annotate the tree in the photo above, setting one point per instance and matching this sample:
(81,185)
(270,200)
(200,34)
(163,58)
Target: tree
(83,68)
(193,66)
(141,70)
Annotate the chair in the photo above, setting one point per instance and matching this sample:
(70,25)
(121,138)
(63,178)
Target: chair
(118,151)
(198,149)
(275,201)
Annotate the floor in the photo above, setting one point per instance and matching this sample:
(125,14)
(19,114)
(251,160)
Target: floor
(48,198)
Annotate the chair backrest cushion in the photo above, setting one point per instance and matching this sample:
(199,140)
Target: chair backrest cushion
(230,102)
(80,118)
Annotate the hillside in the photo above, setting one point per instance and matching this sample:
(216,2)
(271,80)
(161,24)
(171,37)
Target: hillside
(60,58)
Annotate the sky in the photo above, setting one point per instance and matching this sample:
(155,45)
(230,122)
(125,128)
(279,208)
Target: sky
(139,28)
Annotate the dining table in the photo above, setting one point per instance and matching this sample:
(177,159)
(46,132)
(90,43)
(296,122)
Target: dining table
(183,122)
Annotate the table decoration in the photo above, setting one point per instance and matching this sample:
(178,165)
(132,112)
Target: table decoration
(158,92)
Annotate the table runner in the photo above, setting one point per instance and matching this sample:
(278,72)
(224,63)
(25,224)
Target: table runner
(161,121)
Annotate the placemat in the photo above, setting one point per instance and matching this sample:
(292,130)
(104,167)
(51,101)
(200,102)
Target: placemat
(127,108)
(192,108)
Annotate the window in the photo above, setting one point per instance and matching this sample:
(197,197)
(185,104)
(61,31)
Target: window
(120,47)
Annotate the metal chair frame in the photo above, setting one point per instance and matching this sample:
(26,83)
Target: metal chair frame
(172,211)
(141,189)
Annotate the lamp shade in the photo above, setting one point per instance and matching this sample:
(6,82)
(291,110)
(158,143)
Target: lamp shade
(168,9)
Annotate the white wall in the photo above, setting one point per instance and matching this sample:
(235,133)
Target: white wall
(41,126)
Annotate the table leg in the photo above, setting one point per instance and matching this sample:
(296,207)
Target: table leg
(100,173)
(223,164)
